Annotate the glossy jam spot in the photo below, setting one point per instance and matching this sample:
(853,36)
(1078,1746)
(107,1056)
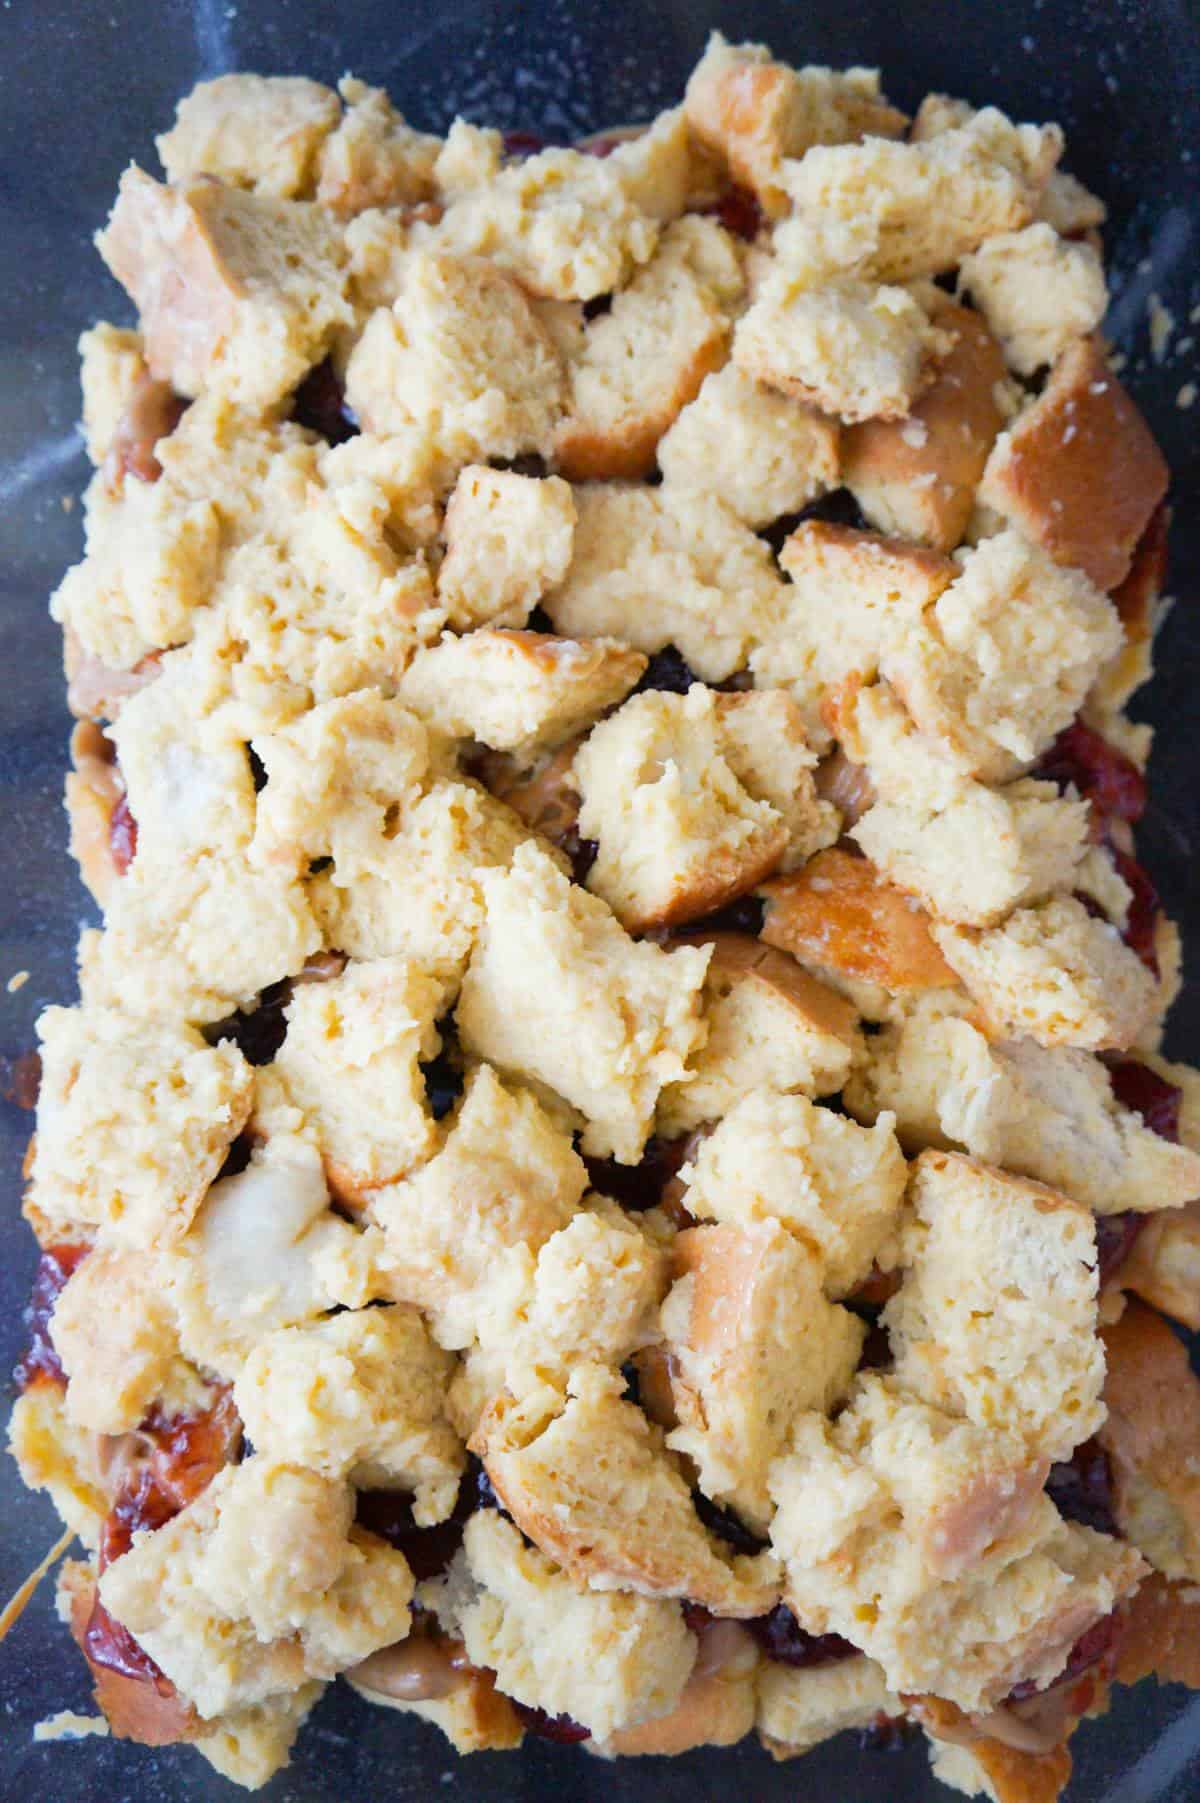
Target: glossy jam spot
(559,1728)
(1113,784)
(668,670)
(320,406)
(1138,1087)
(726,1525)
(40,1362)
(738,211)
(1144,908)
(1081,1488)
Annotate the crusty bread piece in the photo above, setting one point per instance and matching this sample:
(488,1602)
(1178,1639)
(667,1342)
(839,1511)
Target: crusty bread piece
(751,1342)
(262,132)
(716,1707)
(111,364)
(1056,973)
(657,567)
(1037,292)
(115,1338)
(783,1158)
(508,540)
(916,477)
(996,1316)
(1079,472)
(981,1765)
(1047,1113)
(1160,1634)
(755,112)
(1152,1438)
(763,453)
(800,1706)
(770,1026)
(1163,1266)
(557,992)
(1140,605)
(590,1482)
(641,362)
(518,691)
(236,291)
(374,158)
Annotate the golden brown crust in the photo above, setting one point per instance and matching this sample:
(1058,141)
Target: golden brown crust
(1161,1636)
(1152,1437)
(839,915)
(146,1710)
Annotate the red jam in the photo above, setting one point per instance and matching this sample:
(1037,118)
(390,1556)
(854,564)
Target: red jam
(122,836)
(40,1363)
(1138,1087)
(1103,775)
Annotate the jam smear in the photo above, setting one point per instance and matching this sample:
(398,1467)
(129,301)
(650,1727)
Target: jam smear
(258,1033)
(562,1729)
(738,211)
(668,670)
(639,1186)
(319,405)
(428,1550)
(1081,1488)
(1144,908)
(122,836)
(1138,1087)
(726,1525)
(40,1363)
(1103,775)
(1115,1236)
(519,144)
(745,915)
(24,1073)
(782,1638)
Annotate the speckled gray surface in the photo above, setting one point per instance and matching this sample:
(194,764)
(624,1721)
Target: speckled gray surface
(83,89)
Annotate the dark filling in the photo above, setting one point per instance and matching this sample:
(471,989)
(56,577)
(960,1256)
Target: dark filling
(668,670)
(428,1550)
(319,405)
(1138,1087)
(257,1033)
(560,1728)
(1115,1235)
(745,915)
(1103,775)
(582,853)
(638,1186)
(1098,1643)
(1144,908)
(738,211)
(1081,1488)
(726,1525)
(40,1361)
(782,1638)
(443,1074)
(837,508)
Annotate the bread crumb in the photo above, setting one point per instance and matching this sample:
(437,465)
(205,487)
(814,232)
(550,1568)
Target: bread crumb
(67,1725)
(1186,397)
(67,503)
(17,981)
(1162,324)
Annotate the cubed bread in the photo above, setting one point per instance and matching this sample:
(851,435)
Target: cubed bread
(755,112)
(557,992)
(800,1706)
(916,477)
(608,1661)
(1139,603)
(717,1705)
(851,598)
(1037,292)
(508,540)
(1163,1265)
(1056,973)
(852,348)
(515,690)
(892,760)
(763,453)
(236,291)
(115,1339)
(1160,1634)
(846,923)
(462,359)
(751,1342)
(995,1318)
(1079,472)
(988,852)
(262,132)
(361,1395)
(588,1479)
(1006,654)
(657,567)
(981,1765)
(783,1158)
(644,360)
(258,1586)
(770,1026)
(764,740)
(374,158)
(111,365)
(248,1746)
(134,1120)
(504,1175)
(1152,1438)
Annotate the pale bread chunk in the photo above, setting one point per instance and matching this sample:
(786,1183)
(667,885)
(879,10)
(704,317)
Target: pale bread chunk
(1140,602)
(115,1339)
(195,941)
(508,540)
(1006,655)
(852,348)
(854,1565)
(240,292)
(589,1294)
(1152,1438)
(1069,207)
(988,852)
(783,1158)
(1163,1267)
(770,1026)
(515,690)
(460,358)
(1056,973)
(916,478)
(607,1661)
(54,1454)
(917,209)
(660,166)
(891,759)
(250,1745)
(987,1767)
(262,132)
(258,1586)
(470,155)
(797,1709)
(763,453)
(1079,472)
(655,567)
(765,743)
(504,1175)
(388,485)
(852,597)
(996,1316)
(717,1706)
(134,1120)
(557,992)
(419,894)
(1037,292)
(336,778)
(569,226)
(111,365)
(755,111)
(842,920)
(588,1479)
(351,1061)
(641,362)
(1047,1113)
(374,158)
(361,1395)
(751,1342)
